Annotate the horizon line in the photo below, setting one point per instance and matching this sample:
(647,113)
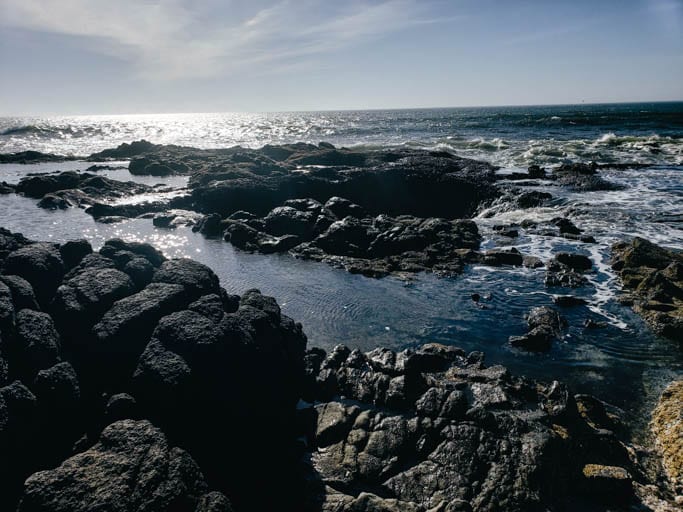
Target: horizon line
(374,109)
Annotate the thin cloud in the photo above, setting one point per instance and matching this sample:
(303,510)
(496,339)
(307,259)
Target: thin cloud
(180,39)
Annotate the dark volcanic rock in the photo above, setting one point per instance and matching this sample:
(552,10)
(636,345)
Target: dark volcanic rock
(582,177)
(41,265)
(449,434)
(545,324)
(74,251)
(653,277)
(31,157)
(131,468)
(577,262)
(72,188)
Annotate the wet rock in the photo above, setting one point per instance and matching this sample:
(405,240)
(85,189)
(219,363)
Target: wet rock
(497,257)
(31,157)
(341,208)
(132,467)
(125,150)
(566,226)
(567,301)
(458,440)
(210,225)
(653,278)
(582,177)
(545,324)
(577,262)
(559,274)
(154,256)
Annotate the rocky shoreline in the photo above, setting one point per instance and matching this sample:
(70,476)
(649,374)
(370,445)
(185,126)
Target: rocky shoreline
(129,381)
(132,382)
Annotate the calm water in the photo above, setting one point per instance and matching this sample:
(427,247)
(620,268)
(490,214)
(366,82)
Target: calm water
(623,363)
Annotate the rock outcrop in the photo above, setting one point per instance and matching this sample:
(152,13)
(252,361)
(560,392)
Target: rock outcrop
(667,428)
(653,279)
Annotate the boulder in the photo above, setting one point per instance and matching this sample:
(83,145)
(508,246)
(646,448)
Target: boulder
(131,468)
(41,265)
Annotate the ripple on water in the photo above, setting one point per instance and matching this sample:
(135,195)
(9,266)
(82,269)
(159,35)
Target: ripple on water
(337,307)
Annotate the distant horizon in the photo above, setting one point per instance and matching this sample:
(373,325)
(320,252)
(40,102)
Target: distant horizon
(377,109)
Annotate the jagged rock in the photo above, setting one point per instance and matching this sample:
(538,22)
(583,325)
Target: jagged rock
(464,437)
(131,468)
(653,277)
(545,324)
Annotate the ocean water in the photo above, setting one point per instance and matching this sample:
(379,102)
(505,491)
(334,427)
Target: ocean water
(623,363)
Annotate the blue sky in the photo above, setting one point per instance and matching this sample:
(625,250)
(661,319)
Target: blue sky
(145,56)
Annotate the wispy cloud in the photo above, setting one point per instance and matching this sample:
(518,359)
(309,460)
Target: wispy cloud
(182,38)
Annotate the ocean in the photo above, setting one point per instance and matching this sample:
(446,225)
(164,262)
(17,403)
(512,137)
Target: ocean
(337,307)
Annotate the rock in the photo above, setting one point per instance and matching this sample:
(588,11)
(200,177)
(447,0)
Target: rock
(545,324)
(38,343)
(458,440)
(341,208)
(285,220)
(121,406)
(566,226)
(577,262)
(667,428)
(213,502)
(653,277)
(567,301)
(124,150)
(22,292)
(30,157)
(82,300)
(140,271)
(131,468)
(536,171)
(73,252)
(610,484)
(123,331)
(151,254)
(41,265)
(197,279)
(503,257)
(210,225)
(582,177)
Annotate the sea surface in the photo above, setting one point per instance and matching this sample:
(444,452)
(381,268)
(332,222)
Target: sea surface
(623,362)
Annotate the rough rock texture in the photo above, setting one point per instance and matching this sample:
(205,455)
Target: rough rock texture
(435,429)
(653,279)
(545,324)
(374,246)
(131,468)
(72,188)
(127,354)
(667,427)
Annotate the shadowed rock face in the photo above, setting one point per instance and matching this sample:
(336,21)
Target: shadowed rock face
(394,182)
(142,384)
(653,278)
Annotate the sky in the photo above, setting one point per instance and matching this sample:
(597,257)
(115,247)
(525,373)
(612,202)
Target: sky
(154,56)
